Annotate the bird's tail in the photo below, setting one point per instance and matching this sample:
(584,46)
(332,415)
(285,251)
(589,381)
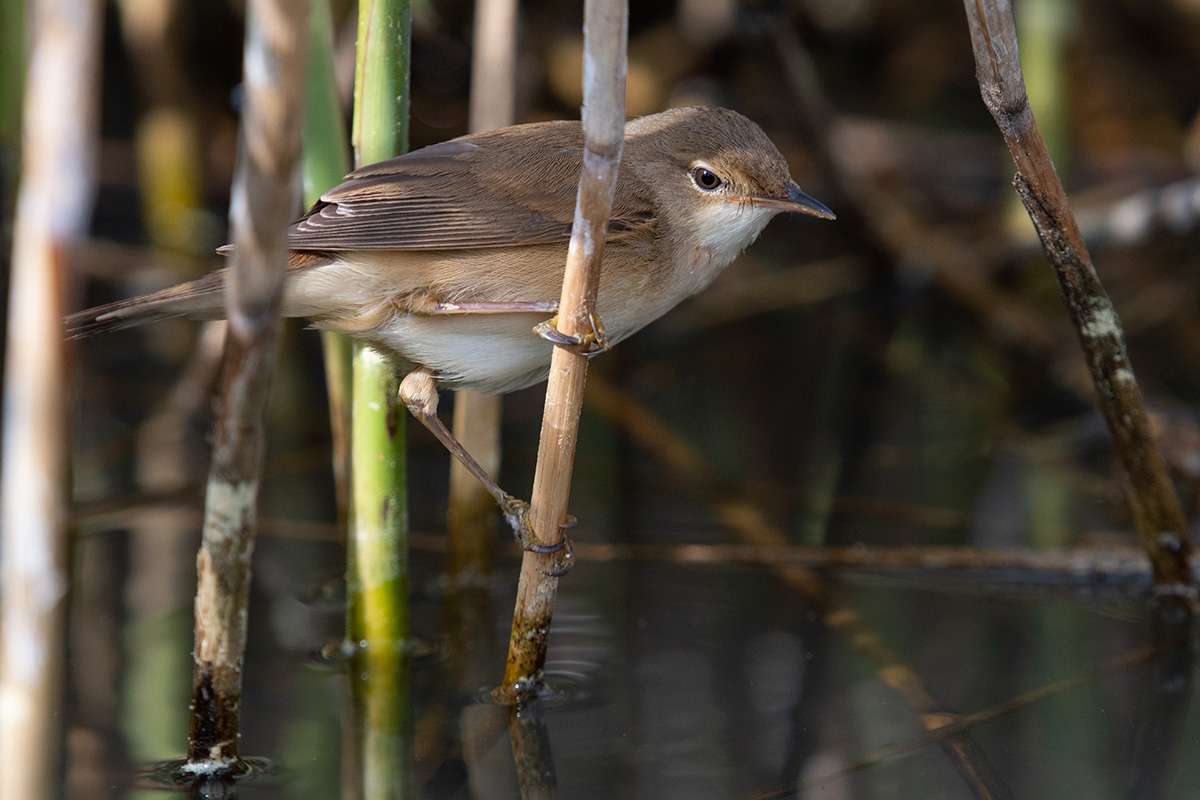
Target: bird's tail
(203,298)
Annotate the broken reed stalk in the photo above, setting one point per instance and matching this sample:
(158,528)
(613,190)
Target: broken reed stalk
(477,415)
(377,545)
(1155,508)
(605,37)
(262,204)
(54,203)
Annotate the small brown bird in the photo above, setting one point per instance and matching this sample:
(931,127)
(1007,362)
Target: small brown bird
(446,258)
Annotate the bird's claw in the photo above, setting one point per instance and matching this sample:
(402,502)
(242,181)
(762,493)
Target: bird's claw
(563,561)
(516,513)
(589,344)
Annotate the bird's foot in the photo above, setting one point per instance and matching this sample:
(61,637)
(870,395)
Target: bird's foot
(592,343)
(516,513)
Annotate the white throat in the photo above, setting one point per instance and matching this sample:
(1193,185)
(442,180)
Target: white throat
(729,228)
(723,231)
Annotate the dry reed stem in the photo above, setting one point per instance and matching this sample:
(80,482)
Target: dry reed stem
(748,522)
(263,202)
(1157,514)
(605,41)
(54,203)
(476,415)
(493,65)
(471,511)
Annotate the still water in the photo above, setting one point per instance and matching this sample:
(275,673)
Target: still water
(673,672)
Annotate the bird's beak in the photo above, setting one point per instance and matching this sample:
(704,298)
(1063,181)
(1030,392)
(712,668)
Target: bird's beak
(795,200)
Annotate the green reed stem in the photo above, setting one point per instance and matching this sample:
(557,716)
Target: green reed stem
(326,161)
(377,550)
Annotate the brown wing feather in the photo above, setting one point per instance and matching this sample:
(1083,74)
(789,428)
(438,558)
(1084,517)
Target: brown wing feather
(419,201)
(473,192)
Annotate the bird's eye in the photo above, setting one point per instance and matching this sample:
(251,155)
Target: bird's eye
(705,178)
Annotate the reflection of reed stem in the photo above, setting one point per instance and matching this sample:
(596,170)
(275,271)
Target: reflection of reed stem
(749,523)
(1172,646)
(531,752)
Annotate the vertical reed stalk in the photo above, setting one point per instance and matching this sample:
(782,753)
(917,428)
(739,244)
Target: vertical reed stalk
(381,80)
(13,60)
(54,202)
(262,204)
(477,415)
(378,583)
(326,161)
(162,549)
(1156,511)
(605,40)
(377,565)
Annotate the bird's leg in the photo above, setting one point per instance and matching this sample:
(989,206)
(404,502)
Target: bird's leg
(425,303)
(591,343)
(495,308)
(418,391)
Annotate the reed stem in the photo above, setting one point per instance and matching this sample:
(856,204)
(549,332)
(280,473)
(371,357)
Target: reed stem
(377,547)
(57,187)
(605,42)
(1157,514)
(476,415)
(262,205)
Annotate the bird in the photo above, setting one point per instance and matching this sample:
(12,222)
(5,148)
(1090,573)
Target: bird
(447,258)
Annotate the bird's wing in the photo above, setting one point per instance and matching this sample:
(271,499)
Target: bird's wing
(486,190)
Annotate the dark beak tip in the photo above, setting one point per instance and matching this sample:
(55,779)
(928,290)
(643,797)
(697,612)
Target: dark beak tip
(808,204)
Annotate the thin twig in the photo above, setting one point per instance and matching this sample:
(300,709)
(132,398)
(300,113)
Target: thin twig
(53,209)
(1157,514)
(263,202)
(605,41)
